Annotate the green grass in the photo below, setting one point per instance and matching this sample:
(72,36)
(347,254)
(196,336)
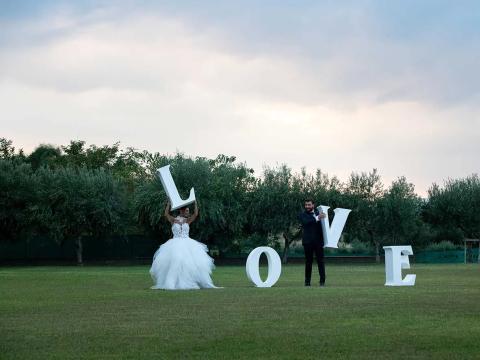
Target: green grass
(109,312)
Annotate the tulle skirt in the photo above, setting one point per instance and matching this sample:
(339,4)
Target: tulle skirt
(182,263)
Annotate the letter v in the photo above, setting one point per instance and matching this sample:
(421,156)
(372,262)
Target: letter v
(332,233)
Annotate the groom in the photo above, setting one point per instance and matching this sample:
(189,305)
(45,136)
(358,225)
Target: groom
(312,240)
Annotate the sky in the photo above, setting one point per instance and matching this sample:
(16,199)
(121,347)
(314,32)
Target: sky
(340,86)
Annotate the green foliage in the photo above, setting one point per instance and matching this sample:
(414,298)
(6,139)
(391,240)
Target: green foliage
(453,209)
(355,247)
(18,200)
(79,201)
(362,195)
(398,214)
(221,185)
(7,151)
(74,190)
(275,202)
(444,245)
(274,205)
(44,155)
(74,202)
(278,198)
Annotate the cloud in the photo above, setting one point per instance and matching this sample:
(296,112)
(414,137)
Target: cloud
(367,50)
(339,55)
(335,94)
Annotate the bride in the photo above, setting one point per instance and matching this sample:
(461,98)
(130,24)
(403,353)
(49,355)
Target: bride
(182,263)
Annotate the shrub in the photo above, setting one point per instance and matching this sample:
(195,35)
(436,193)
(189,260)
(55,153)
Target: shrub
(442,246)
(356,247)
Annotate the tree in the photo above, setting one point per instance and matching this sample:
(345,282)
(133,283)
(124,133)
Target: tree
(453,209)
(221,188)
(93,157)
(398,214)
(362,194)
(44,155)
(278,198)
(129,165)
(18,200)
(276,202)
(7,151)
(75,202)
(323,189)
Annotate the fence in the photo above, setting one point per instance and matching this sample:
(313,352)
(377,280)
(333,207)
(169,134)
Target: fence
(139,248)
(133,247)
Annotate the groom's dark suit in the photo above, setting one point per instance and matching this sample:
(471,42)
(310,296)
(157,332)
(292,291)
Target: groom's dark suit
(312,241)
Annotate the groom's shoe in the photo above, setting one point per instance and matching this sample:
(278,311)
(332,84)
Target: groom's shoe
(307,283)
(322,284)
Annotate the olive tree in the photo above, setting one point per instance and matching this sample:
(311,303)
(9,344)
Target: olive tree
(75,202)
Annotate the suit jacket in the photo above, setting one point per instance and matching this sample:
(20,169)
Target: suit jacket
(312,229)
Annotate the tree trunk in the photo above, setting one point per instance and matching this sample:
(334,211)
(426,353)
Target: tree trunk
(79,250)
(285,249)
(377,250)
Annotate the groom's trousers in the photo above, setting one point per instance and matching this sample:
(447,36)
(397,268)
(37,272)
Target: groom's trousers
(310,249)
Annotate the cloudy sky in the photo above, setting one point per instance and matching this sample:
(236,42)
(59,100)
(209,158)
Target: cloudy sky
(342,86)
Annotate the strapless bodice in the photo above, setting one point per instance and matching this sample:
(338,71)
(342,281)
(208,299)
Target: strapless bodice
(180,230)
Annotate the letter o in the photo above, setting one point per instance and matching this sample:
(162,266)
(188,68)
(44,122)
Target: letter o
(253,266)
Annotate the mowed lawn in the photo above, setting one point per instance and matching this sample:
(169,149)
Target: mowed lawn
(109,312)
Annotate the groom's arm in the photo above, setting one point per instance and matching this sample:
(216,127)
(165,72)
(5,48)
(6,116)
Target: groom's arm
(306,219)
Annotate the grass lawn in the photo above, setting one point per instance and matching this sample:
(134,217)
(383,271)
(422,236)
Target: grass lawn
(109,312)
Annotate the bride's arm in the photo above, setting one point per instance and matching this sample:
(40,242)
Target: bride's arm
(195,214)
(169,217)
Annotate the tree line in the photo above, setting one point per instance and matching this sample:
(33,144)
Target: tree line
(72,191)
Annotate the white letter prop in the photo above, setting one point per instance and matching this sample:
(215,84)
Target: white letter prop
(332,233)
(274,266)
(396,259)
(171,189)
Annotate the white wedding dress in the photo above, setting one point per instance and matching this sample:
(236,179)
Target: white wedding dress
(182,263)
